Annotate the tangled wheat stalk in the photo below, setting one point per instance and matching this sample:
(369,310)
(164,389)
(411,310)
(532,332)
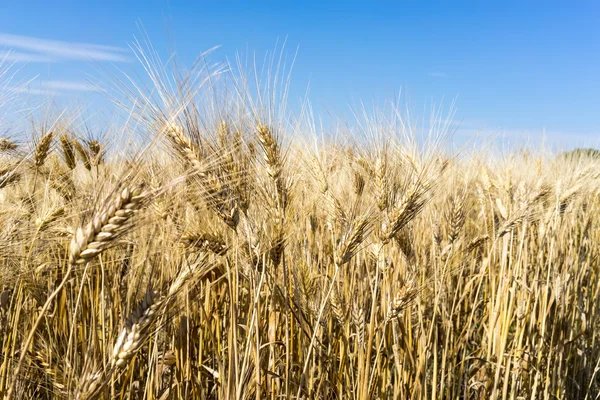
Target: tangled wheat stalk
(87,243)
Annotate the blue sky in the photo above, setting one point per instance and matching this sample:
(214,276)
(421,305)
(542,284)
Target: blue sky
(513,68)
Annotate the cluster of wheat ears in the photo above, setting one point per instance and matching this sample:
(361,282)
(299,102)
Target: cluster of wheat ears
(223,257)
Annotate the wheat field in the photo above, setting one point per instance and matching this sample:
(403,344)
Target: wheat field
(216,247)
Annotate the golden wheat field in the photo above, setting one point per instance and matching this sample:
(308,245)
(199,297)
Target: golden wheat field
(217,247)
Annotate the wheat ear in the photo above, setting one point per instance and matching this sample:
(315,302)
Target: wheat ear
(185,147)
(42,149)
(7,145)
(273,163)
(96,152)
(96,236)
(217,191)
(68,151)
(137,328)
(83,154)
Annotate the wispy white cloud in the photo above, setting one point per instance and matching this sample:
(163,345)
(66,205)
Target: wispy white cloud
(53,88)
(27,48)
(34,91)
(438,74)
(70,86)
(17,56)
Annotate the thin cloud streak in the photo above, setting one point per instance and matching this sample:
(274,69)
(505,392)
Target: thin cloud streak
(27,90)
(70,86)
(15,56)
(53,88)
(56,50)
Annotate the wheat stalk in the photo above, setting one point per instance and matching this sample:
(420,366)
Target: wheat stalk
(138,327)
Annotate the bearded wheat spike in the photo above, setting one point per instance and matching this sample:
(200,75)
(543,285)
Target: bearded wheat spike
(43,222)
(558,288)
(197,269)
(522,214)
(7,145)
(83,154)
(223,134)
(95,151)
(217,192)
(271,148)
(68,151)
(410,205)
(382,183)
(477,242)
(338,306)
(185,146)
(137,329)
(42,362)
(352,239)
(90,385)
(274,164)
(42,149)
(96,236)
(358,320)
(358,184)
(402,300)
(304,288)
(489,185)
(64,185)
(456,218)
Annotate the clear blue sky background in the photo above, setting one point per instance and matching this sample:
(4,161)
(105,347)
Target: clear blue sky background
(514,67)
